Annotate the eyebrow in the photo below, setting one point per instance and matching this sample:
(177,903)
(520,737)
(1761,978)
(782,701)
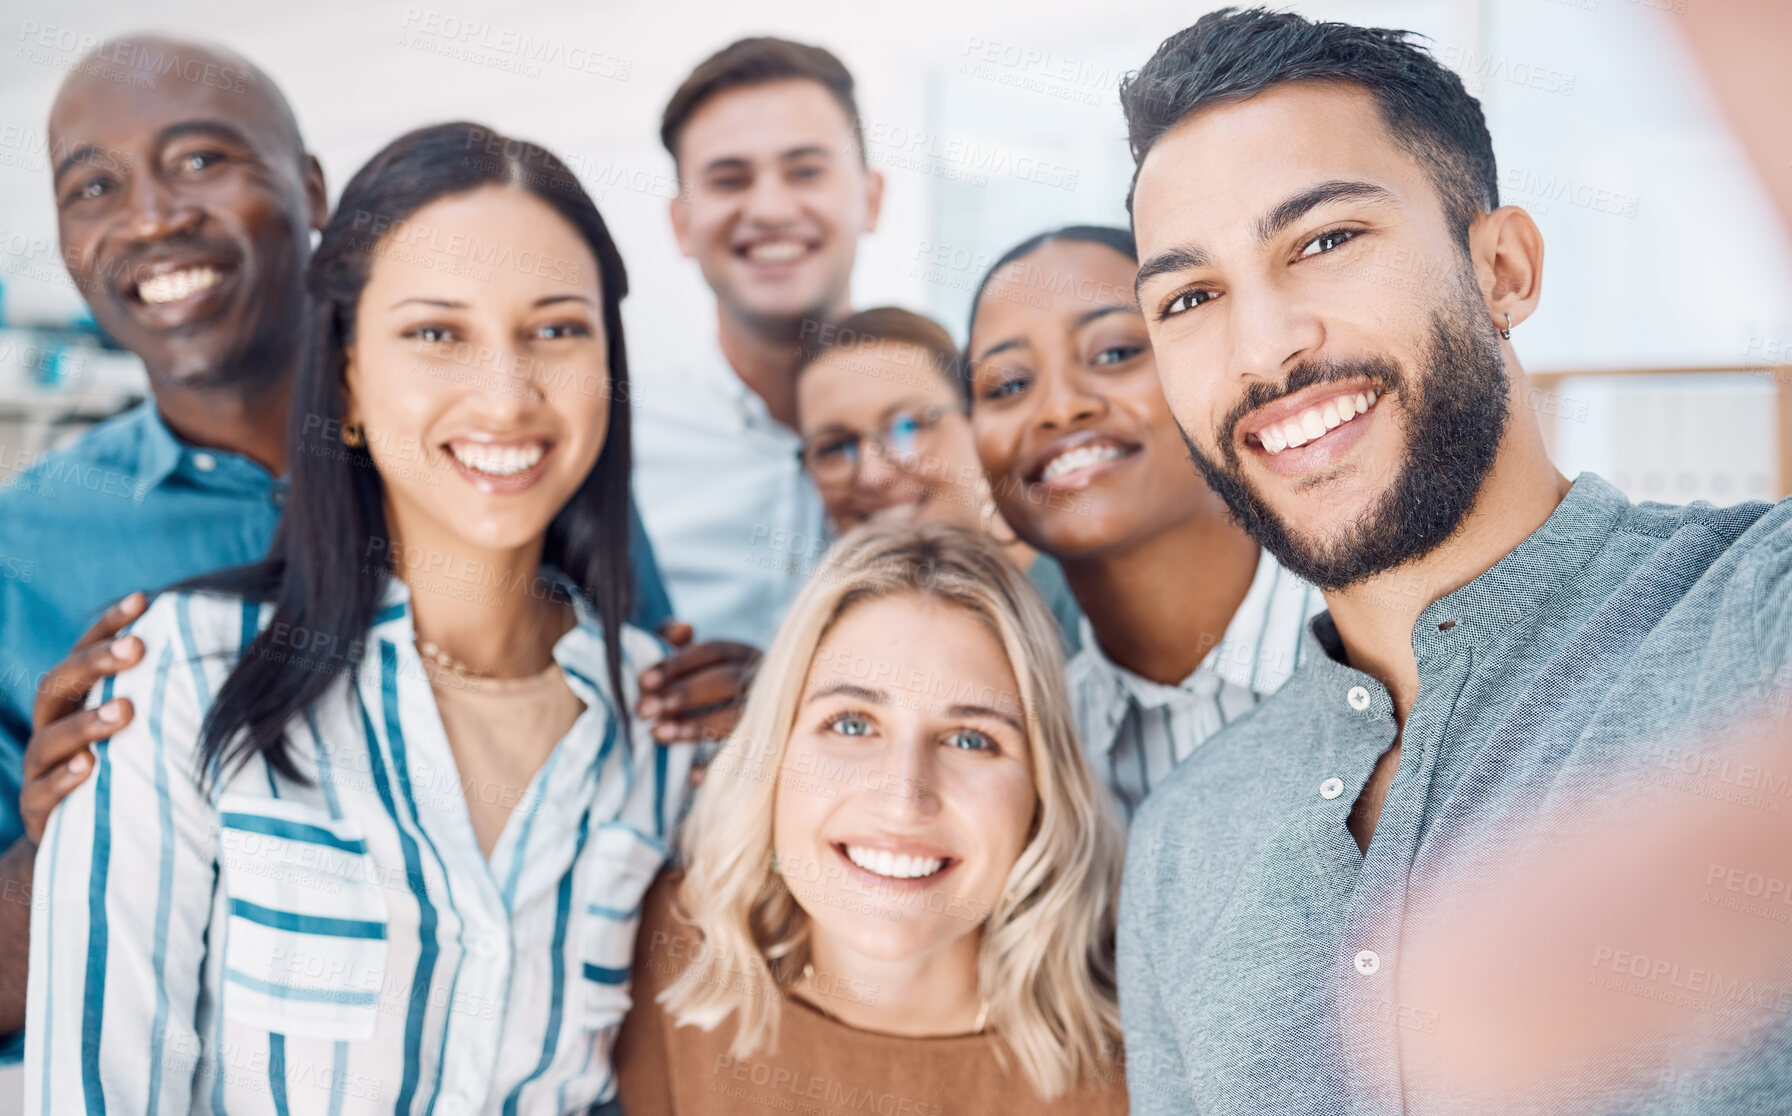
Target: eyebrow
(1082,320)
(985,711)
(1312,198)
(741,162)
(1001,347)
(1100,312)
(452,304)
(216,129)
(1190,257)
(880,697)
(847,689)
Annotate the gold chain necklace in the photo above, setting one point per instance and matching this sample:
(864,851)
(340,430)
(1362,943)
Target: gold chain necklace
(447,662)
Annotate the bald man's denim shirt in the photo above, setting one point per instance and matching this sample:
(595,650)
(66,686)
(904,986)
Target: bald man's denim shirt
(1260,951)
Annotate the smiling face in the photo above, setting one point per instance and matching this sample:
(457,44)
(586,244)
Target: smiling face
(485,398)
(847,391)
(774,198)
(1071,423)
(184,214)
(1322,339)
(907,791)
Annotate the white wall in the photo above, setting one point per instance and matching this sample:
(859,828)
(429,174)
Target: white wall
(1662,249)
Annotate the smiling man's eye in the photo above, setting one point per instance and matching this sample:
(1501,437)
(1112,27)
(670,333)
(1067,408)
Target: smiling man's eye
(850,724)
(1326,241)
(1186,301)
(91,189)
(971,740)
(198,160)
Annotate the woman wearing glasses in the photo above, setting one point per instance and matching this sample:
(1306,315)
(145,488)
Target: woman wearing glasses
(882,409)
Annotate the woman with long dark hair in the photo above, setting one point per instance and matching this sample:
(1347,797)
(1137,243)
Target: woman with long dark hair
(383,834)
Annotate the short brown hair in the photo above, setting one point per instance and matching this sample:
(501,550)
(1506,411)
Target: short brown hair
(891,325)
(758,61)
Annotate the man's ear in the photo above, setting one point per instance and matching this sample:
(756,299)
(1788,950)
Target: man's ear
(680,211)
(317,198)
(874,199)
(1508,252)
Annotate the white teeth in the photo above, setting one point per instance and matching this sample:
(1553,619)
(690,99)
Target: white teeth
(1314,422)
(171,286)
(776,251)
(894,866)
(497,461)
(1080,458)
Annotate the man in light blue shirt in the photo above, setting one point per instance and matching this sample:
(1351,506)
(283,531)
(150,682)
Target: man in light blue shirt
(185,213)
(774,193)
(1332,289)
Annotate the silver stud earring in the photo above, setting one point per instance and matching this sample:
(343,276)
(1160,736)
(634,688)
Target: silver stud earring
(1507,332)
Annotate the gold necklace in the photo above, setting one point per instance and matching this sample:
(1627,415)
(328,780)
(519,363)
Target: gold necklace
(441,658)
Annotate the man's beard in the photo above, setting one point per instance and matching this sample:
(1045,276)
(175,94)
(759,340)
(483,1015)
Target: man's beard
(1455,412)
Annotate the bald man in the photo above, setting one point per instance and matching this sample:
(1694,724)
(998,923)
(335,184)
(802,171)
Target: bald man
(185,202)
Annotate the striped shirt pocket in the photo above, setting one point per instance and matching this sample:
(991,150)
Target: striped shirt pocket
(622,865)
(305,940)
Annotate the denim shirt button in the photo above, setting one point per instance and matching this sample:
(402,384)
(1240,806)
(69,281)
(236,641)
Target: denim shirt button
(1367,962)
(204,462)
(1358,698)
(1331,788)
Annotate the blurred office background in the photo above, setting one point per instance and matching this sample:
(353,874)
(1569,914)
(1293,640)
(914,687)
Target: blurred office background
(1659,354)
(1668,292)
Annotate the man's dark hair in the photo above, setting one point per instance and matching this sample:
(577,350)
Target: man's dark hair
(758,61)
(1231,54)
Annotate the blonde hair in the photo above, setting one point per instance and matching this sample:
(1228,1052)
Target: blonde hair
(1046,966)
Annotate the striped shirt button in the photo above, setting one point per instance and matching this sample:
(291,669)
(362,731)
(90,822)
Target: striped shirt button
(1367,962)
(1331,788)
(1358,698)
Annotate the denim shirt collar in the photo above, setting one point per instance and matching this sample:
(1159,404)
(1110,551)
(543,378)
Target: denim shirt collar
(160,454)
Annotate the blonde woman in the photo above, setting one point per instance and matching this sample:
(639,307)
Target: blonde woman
(901,871)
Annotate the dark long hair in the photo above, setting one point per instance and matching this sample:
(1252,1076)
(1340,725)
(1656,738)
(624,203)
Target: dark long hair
(330,559)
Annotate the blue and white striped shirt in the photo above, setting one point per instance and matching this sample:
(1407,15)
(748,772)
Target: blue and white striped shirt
(1136,731)
(343,946)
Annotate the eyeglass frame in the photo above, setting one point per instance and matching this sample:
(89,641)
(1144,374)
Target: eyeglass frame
(878,436)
